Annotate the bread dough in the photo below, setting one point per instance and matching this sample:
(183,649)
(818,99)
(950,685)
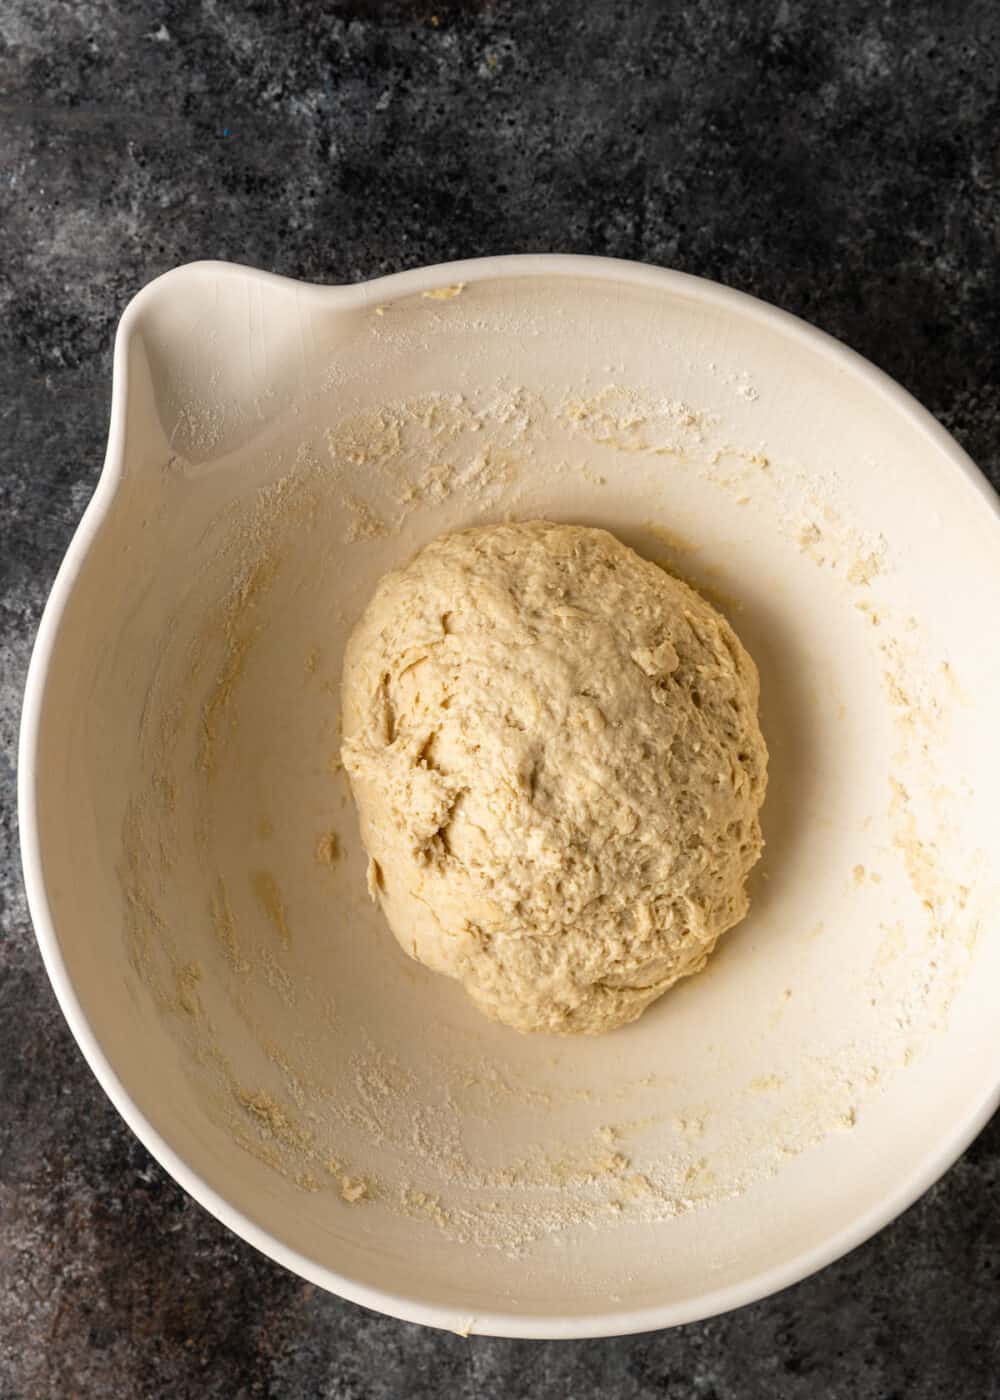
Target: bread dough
(555,754)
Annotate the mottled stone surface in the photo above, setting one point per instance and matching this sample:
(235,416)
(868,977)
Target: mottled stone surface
(841,161)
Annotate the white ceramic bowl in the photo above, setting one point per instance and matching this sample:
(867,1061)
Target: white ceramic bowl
(273,448)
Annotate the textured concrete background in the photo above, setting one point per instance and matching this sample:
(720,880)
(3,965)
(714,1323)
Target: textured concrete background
(842,161)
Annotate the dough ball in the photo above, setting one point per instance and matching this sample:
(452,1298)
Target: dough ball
(554,750)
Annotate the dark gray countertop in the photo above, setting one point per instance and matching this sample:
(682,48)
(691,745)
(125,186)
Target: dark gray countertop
(841,161)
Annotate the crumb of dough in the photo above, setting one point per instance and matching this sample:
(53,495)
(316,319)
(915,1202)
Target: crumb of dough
(328,850)
(445,293)
(353,1189)
(365,523)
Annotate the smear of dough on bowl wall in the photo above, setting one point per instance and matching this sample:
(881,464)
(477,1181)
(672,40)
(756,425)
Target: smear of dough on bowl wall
(346,1099)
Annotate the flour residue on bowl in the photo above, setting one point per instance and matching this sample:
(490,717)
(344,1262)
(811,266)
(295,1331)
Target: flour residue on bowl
(326,1098)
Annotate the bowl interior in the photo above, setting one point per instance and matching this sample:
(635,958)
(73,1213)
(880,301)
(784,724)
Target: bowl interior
(283,446)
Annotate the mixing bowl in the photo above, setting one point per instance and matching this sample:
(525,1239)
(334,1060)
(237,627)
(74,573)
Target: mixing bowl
(190,848)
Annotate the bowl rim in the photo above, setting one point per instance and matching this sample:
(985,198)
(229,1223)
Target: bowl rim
(408,1307)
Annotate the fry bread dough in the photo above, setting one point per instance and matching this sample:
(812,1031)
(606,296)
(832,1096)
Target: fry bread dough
(555,754)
